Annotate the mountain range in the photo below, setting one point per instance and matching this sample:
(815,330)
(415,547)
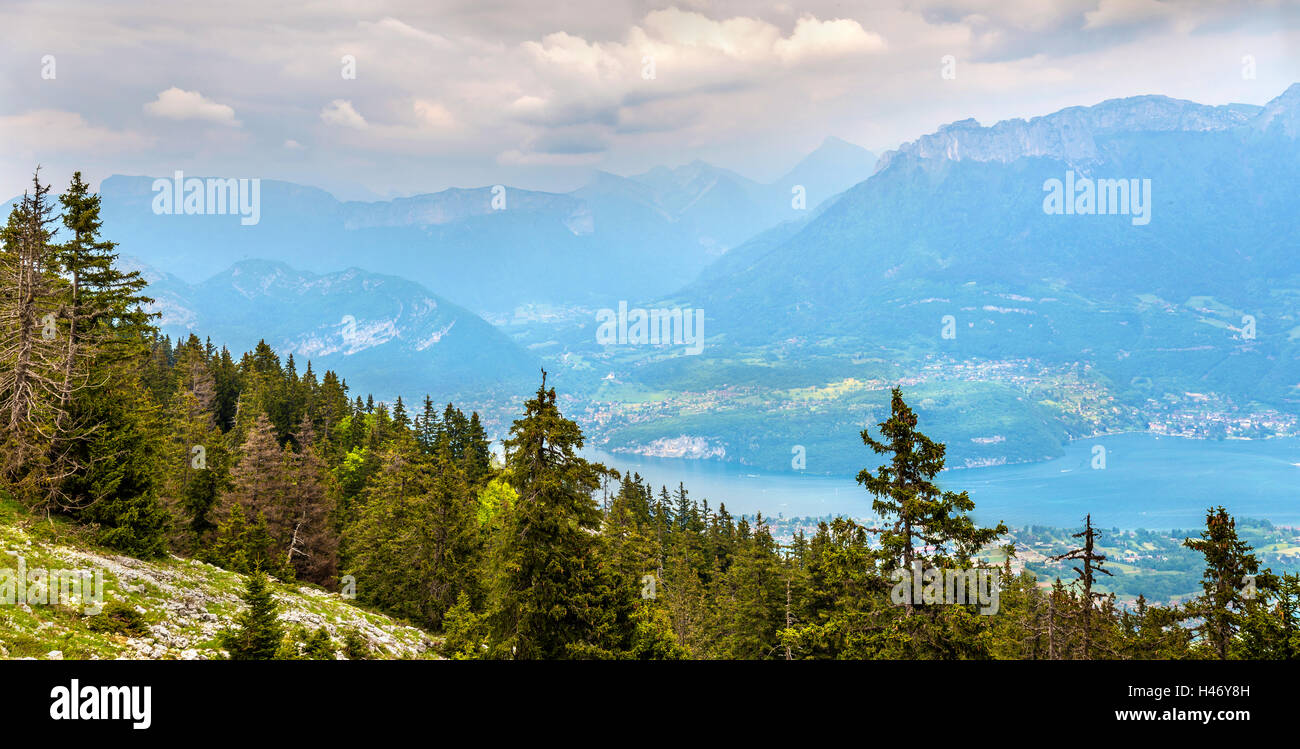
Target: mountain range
(954,223)
(384,334)
(494,249)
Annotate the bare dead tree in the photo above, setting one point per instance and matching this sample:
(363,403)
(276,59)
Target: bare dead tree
(1092,564)
(30,353)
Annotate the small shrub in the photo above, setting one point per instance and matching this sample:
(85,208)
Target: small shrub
(119,618)
(319,647)
(355,648)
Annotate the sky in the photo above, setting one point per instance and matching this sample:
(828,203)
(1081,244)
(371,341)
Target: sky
(371,100)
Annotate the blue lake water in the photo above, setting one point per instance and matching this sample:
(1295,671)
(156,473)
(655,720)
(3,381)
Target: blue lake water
(1148,482)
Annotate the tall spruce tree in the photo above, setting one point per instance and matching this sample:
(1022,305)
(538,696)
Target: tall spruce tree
(924,526)
(548,596)
(1231,579)
(922,515)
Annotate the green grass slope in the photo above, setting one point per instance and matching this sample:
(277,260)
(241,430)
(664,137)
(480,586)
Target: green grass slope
(184,604)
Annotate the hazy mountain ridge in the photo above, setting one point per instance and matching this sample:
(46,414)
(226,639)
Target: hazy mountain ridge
(954,221)
(493,248)
(1281,114)
(457,204)
(387,335)
(1071,134)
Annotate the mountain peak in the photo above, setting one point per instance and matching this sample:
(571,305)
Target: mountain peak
(1282,114)
(1292,93)
(258,267)
(832,145)
(834,166)
(1071,133)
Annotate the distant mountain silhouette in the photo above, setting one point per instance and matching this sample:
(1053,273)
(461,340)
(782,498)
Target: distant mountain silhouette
(616,238)
(386,335)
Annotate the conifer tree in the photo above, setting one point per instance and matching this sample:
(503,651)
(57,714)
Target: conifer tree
(478,453)
(451,537)
(400,418)
(465,632)
(905,493)
(123,470)
(332,403)
(104,305)
(755,595)
(922,522)
(429,426)
(546,590)
(30,350)
(109,458)
(687,602)
(1231,579)
(198,464)
(303,520)
(230,544)
(241,546)
(257,634)
(258,480)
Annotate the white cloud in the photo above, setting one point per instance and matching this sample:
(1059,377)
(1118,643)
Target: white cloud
(434,115)
(838,38)
(738,37)
(177,104)
(341,112)
(67,132)
(456,92)
(396,27)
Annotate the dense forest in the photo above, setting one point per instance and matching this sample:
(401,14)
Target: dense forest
(181,447)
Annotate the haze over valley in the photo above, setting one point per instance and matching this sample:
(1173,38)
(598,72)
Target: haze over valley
(936,267)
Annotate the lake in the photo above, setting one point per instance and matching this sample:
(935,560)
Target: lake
(1149,481)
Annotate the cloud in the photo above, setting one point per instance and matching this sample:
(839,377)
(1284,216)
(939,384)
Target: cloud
(517,157)
(341,112)
(177,104)
(453,91)
(571,142)
(67,132)
(1015,15)
(738,37)
(672,56)
(434,115)
(693,40)
(1111,13)
(395,27)
(838,38)
(571,108)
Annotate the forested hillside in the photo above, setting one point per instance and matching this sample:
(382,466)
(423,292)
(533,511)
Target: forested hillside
(241,461)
